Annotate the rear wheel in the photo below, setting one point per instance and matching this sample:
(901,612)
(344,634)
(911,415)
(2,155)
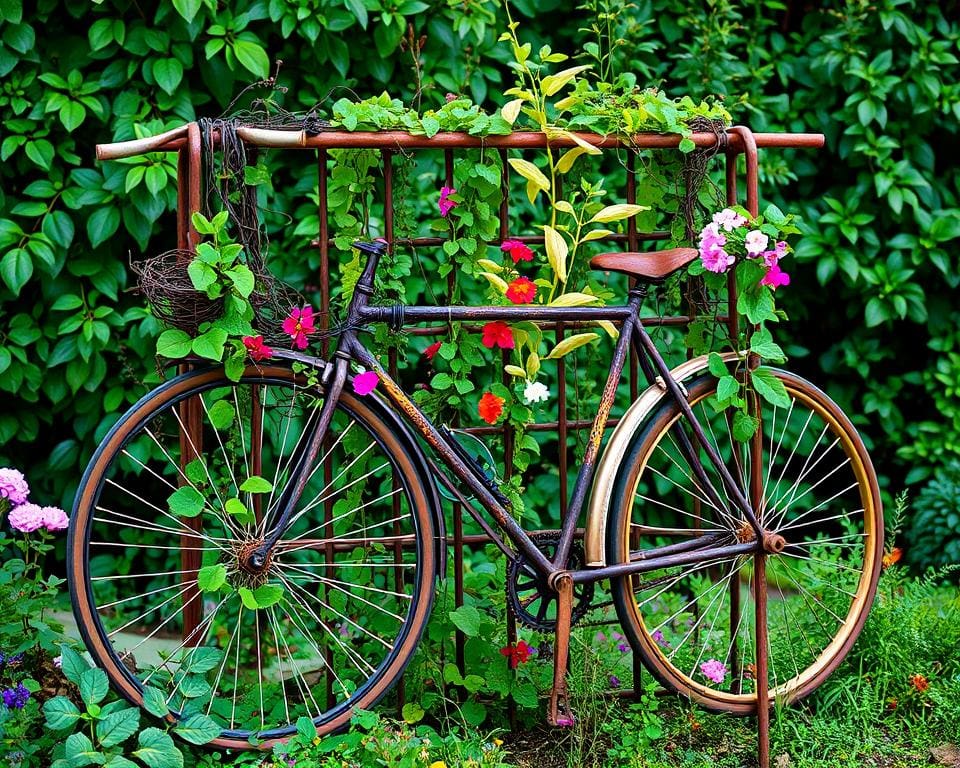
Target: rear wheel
(694,625)
(174,502)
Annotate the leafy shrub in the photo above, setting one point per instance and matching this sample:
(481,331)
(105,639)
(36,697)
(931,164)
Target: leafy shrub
(934,534)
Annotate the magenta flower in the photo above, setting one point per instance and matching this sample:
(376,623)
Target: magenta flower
(446,204)
(600,638)
(26,518)
(659,639)
(614,681)
(775,277)
(364,383)
(565,721)
(298,325)
(257,348)
(712,255)
(714,670)
(13,485)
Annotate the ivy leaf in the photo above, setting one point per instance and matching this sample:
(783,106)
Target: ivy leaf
(744,425)
(267,595)
(211,577)
(762,343)
(247,598)
(186,502)
(173,344)
(412,712)
(727,388)
(118,726)
(198,729)
(210,344)
(242,279)
(769,387)
(256,484)
(716,365)
(467,619)
(473,712)
(157,750)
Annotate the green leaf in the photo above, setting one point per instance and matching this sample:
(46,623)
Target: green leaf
(186,502)
(306,729)
(168,73)
(16,267)
(58,226)
(72,664)
(267,595)
(473,712)
(253,58)
(769,387)
(198,729)
(412,712)
(727,388)
(211,577)
(762,343)
(102,224)
(173,344)
(60,712)
(94,686)
(118,726)
(744,425)
(359,10)
(467,619)
(221,415)
(202,275)
(716,365)
(72,115)
(256,484)
(79,750)
(210,344)
(187,8)
(242,279)
(155,702)
(247,598)
(157,750)
(100,34)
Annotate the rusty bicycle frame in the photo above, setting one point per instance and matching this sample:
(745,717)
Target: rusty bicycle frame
(738,140)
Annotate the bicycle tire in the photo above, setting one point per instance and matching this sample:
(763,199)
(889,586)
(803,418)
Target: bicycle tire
(365,595)
(829,570)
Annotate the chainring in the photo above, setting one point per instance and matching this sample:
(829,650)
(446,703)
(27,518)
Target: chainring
(529,594)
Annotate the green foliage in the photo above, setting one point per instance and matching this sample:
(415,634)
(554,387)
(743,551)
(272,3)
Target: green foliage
(934,532)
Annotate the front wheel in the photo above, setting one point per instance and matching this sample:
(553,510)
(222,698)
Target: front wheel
(169,597)
(813,483)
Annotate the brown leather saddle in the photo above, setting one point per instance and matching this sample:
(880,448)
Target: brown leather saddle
(652,267)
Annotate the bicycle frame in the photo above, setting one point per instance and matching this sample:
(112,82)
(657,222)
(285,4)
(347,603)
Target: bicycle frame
(632,334)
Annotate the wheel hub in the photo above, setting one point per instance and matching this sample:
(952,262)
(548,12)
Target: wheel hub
(248,565)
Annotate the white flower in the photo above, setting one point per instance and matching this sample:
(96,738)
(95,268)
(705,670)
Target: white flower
(58,662)
(756,242)
(729,219)
(535,392)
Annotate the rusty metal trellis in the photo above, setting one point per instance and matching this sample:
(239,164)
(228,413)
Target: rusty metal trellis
(738,141)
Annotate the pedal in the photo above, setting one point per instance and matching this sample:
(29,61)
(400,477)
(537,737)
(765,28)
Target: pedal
(483,471)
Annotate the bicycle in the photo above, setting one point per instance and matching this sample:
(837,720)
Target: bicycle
(300,531)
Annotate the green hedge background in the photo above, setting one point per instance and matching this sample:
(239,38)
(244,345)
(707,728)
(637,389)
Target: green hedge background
(874,301)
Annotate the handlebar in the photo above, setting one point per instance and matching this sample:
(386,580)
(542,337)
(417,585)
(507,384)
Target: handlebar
(175,139)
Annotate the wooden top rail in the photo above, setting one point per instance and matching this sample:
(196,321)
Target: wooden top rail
(176,139)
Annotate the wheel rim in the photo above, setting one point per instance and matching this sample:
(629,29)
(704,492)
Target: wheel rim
(341,600)
(819,485)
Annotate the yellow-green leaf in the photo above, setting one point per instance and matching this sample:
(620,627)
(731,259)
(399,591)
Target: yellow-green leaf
(573,299)
(533,189)
(511,110)
(490,266)
(618,212)
(610,328)
(567,102)
(571,343)
(530,172)
(533,366)
(563,205)
(586,146)
(553,83)
(556,252)
(515,370)
(569,158)
(496,282)
(596,234)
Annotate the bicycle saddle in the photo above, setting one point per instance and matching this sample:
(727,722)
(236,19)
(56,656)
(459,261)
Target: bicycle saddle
(652,267)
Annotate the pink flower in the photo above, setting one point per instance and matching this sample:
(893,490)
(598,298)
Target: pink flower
(518,251)
(775,277)
(729,219)
(659,639)
(497,334)
(299,325)
(714,670)
(772,257)
(364,383)
(54,519)
(446,204)
(13,485)
(26,518)
(257,349)
(756,242)
(715,259)
(565,721)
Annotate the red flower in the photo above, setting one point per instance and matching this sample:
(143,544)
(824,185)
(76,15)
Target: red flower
(919,682)
(521,291)
(431,351)
(518,251)
(518,654)
(497,334)
(490,407)
(299,325)
(257,349)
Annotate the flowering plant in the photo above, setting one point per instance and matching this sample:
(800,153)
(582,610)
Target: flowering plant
(752,249)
